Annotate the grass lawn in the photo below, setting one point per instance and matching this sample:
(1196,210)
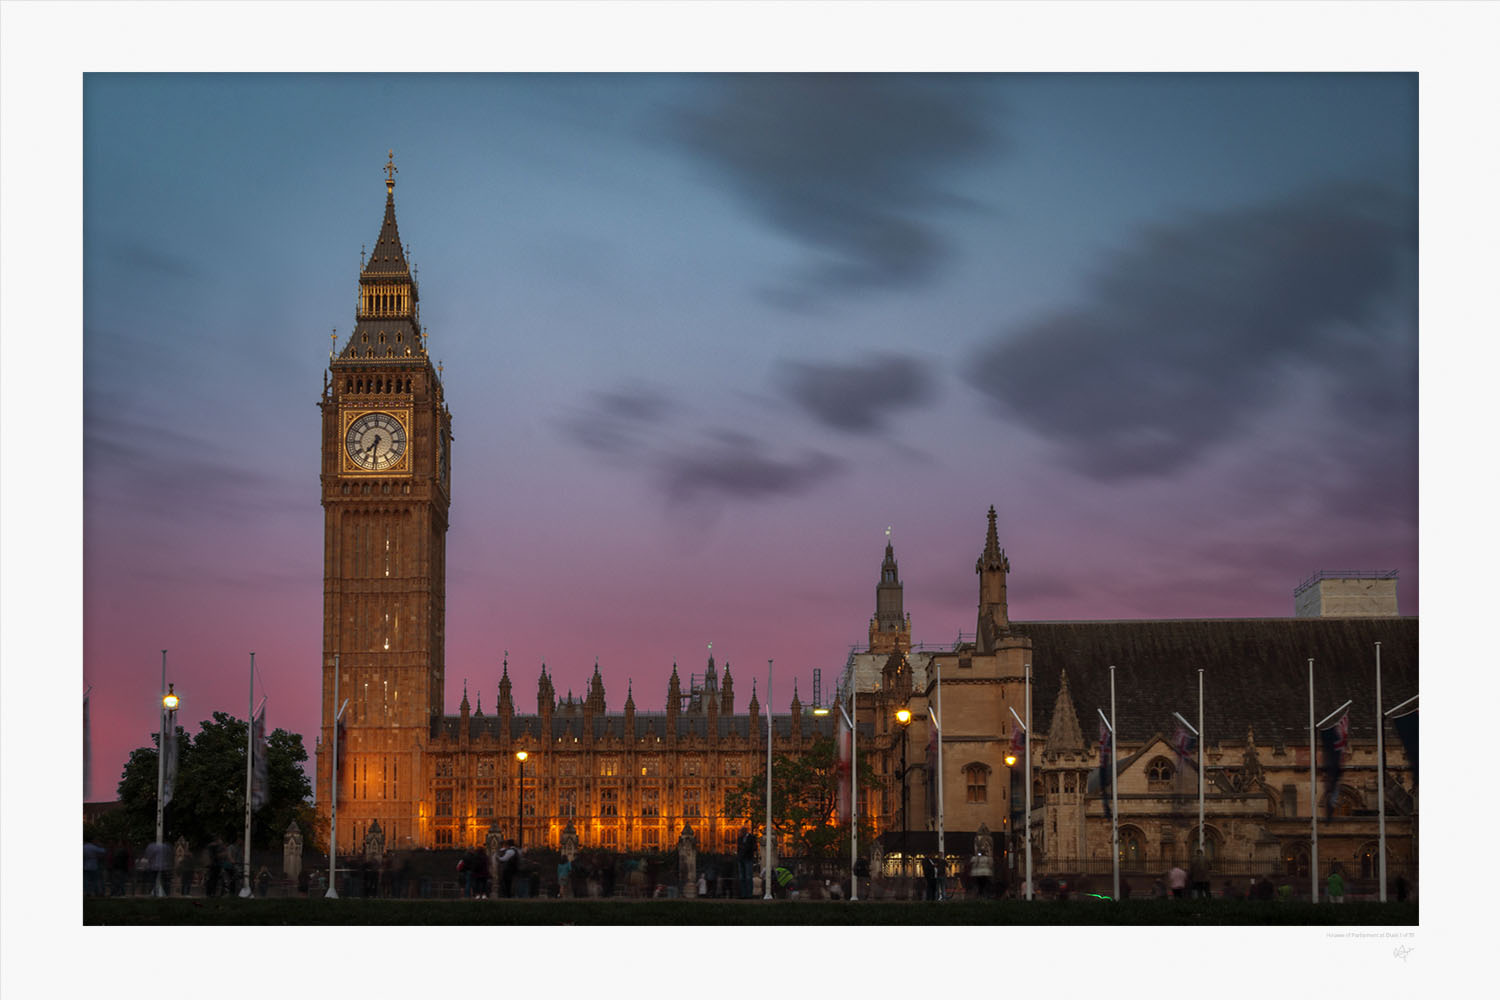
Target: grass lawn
(232,910)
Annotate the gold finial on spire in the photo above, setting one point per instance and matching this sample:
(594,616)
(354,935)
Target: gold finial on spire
(334,336)
(390,171)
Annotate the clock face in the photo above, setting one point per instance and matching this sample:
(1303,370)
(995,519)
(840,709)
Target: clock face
(376,441)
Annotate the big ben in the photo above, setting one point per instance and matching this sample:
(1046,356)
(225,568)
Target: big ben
(385,495)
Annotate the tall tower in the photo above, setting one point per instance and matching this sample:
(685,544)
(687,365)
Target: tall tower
(994,617)
(890,628)
(385,490)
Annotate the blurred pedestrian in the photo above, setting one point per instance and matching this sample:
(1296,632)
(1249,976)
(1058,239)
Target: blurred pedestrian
(1177,881)
(1335,885)
(94,860)
(981,868)
(1198,875)
(744,855)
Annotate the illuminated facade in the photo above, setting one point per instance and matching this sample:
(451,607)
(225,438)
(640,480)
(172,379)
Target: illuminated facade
(1257,794)
(631,781)
(627,780)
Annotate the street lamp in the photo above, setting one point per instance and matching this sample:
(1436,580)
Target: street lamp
(520,791)
(166,744)
(903,717)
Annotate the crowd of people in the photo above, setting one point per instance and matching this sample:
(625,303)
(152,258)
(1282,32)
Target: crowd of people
(215,869)
(119,870)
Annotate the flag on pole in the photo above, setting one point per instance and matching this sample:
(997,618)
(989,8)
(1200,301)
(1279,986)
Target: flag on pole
(341,740)
(1335,740)
(845,765)
(1106,766)
(259,782)
(1406,728)
(1185,743)
(1018,741)
(169,749)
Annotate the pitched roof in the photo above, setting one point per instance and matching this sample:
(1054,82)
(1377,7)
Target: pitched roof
(1254,672)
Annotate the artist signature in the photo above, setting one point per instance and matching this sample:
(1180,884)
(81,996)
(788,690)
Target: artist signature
(1401,952)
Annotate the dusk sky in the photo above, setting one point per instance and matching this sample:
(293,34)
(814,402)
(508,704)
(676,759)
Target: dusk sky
(705,337)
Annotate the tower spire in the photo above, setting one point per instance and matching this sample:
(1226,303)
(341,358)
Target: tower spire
(890,628)
(992,565)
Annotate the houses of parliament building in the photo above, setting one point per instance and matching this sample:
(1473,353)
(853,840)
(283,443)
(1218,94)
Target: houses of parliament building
(631,780)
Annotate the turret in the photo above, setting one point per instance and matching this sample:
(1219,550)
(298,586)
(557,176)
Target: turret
(546,701)
(674,703)
(992,566)
(726,693)
(890,626)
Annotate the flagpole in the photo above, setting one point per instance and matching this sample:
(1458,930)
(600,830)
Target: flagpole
(853,797)
(942,855)
(766,849)
(1312,777)
(1027,832)
(1200,758)
(161,763)
(245,892)
(88,783)
(1114,786)
(1380,768)
(333,792)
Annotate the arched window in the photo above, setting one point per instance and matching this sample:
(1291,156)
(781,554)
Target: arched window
(1212,842)
(1369,860)
(1159,772)
(977,779)
(1345,803)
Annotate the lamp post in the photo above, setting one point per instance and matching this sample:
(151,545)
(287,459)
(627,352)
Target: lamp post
(167,737)
(903,718)
(520,791)
(1010,846)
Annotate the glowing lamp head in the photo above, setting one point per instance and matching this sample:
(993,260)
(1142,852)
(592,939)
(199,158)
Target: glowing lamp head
(521,756)
(819,710)
(1010,760)
(903,715)
(170,700)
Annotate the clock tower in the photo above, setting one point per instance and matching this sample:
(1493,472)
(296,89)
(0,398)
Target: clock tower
(385,493)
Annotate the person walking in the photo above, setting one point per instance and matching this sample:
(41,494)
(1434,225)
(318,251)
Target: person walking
(981,867)
(1335,885)
(745,860)
(510,863)
(159,866)
(1198,875)
(93,868)
(1177,881)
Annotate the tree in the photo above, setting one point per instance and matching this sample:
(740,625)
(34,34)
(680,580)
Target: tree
(804,801)
(208,799)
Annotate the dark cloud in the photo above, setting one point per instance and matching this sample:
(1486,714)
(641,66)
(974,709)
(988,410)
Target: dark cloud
(850,166)
(1186,335)
(735,466)
(133,464)
(857,397)
(615,422)
(634,424)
